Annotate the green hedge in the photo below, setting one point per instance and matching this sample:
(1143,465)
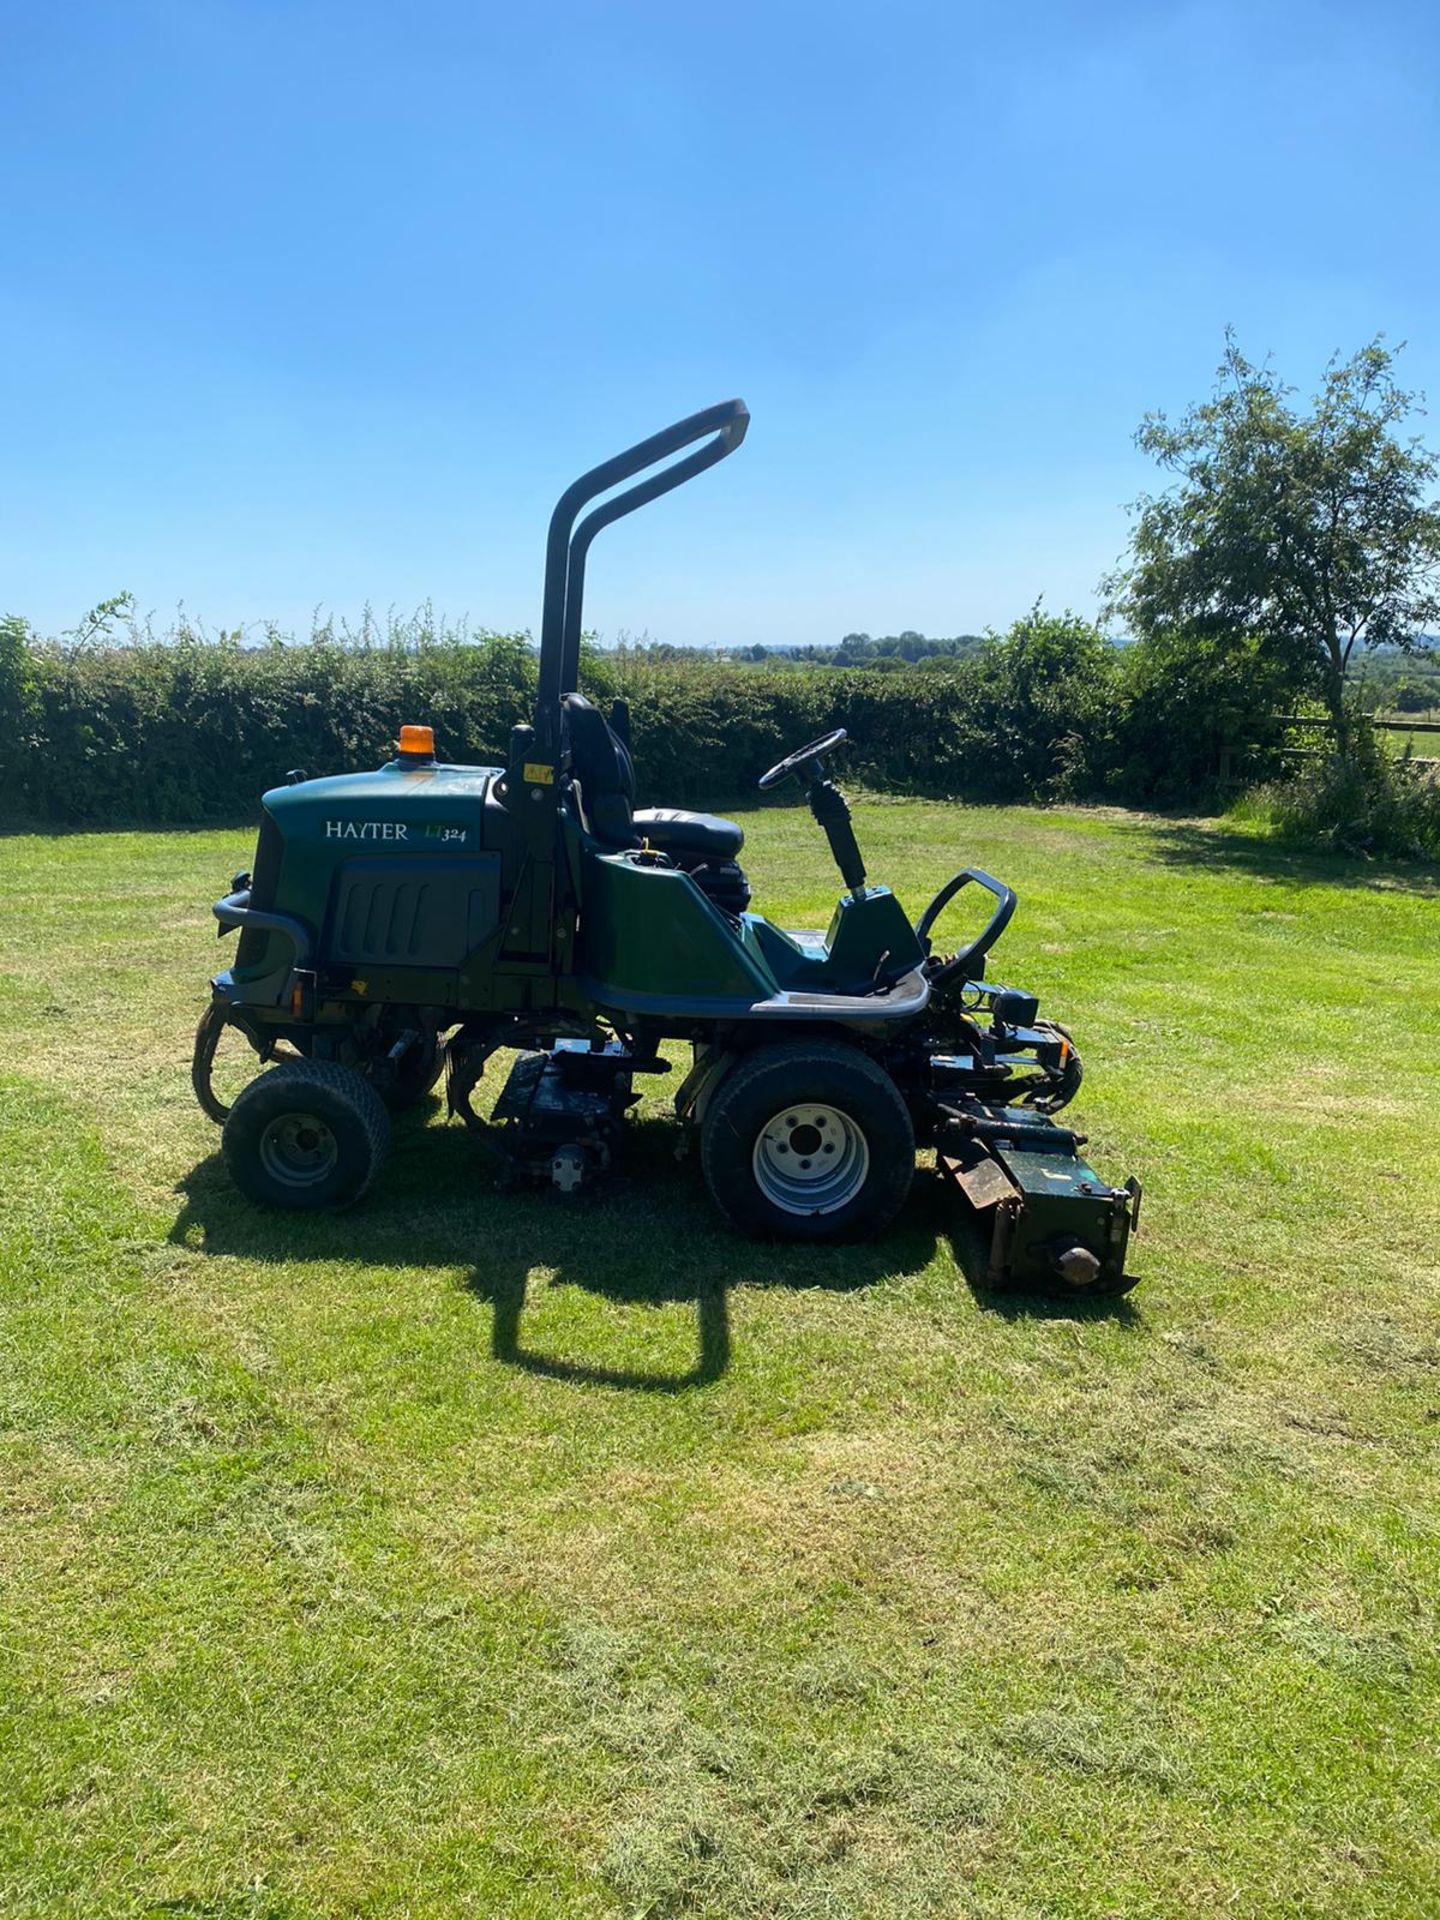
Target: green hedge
(195,729)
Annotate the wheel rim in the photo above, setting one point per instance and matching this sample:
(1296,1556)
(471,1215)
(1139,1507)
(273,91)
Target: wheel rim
(810,1159)
(298,1149)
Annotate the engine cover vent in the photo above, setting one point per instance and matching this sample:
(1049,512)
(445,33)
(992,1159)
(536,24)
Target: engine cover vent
(414,913)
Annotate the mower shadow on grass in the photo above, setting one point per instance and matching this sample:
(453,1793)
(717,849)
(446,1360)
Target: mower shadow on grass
(647,1237)
(506,1294)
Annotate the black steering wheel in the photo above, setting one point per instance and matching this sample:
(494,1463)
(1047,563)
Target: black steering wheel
(793,762)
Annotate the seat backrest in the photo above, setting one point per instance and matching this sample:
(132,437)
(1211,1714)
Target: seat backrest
(601,765)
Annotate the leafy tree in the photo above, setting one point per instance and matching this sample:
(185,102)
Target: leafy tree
(1416,695)
(1307,528)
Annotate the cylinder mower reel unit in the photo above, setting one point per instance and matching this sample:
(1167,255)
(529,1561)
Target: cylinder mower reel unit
(426,918)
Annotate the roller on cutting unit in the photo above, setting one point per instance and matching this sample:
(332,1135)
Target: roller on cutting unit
(421,919)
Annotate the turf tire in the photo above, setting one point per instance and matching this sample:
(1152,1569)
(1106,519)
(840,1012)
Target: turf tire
(824,1073)
(313,1099)
(421,1067)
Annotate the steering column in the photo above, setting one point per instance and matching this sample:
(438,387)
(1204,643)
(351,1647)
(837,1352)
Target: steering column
(827,803)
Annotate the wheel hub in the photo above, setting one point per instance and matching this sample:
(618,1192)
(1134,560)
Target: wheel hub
(298,1149)
(810,1159)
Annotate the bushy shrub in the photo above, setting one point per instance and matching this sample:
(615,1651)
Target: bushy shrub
(1370,803)
(1045,708)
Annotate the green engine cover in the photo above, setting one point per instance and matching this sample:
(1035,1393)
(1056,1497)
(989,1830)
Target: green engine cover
(388,870)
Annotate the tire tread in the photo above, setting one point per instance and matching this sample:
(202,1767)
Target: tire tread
(801,1057)
(344,1083)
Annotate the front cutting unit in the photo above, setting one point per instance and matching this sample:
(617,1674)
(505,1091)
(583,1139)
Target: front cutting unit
(423,919)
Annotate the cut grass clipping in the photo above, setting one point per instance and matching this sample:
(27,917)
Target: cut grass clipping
(482,1554)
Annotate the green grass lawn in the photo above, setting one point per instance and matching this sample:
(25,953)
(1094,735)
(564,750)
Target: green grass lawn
(479,1554)
(1422,746)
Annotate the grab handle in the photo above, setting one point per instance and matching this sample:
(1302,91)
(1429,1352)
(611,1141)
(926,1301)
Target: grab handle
(235,910)
(961,964)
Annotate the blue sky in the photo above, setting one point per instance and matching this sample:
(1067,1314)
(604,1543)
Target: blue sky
(313,304)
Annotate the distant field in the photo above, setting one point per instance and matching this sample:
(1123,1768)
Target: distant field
(487,1555)
(1424,746)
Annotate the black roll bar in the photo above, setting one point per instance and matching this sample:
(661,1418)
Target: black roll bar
(567,545)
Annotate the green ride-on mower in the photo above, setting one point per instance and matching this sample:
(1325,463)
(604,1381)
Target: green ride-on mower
(413,921)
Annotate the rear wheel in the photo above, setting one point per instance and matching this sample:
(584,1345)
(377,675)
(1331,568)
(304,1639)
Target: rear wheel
(808,1141)
(420,1066)
(306,1136)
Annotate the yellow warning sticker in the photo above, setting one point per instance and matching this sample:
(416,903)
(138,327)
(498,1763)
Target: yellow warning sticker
(537,775)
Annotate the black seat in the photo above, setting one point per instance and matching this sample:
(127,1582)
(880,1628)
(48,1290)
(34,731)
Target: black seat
(673,830)
(600,764)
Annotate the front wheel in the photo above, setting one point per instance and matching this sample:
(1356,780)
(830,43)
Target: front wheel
(808,1140)
(306,1136)
(1058,1089)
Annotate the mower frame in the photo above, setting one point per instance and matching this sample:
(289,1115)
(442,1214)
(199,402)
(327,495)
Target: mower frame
(584,948)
